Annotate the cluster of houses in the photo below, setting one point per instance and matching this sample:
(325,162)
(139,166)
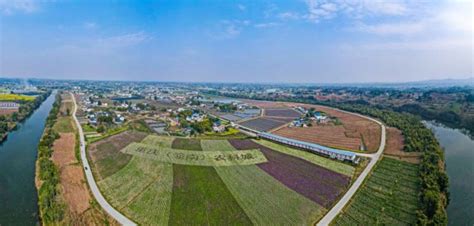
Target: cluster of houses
(309,117)
(8,107)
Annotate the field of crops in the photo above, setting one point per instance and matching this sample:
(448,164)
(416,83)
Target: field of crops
(282,112)
(15,97)
(264,124)
(388,197)
(177,186)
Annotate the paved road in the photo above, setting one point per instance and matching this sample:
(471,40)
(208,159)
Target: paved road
(353,189)
(90,178)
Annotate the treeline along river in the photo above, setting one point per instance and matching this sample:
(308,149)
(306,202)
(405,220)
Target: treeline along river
(18,197)
(459,156)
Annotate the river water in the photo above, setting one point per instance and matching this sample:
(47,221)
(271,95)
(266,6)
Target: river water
(18,197)
(459,154)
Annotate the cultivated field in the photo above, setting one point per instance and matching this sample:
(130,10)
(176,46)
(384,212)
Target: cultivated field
(264,123)
(388,197)
(216,182)
(282,112)
(15,97)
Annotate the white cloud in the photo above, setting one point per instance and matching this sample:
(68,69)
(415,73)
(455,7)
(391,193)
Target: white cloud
(289,16)
(402,28)
(9,7)
(241,7)
(266,25)
(270,10)
(229,29)
(90,25)
(318,10)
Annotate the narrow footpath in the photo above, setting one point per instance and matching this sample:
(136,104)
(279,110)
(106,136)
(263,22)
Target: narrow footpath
(90,177)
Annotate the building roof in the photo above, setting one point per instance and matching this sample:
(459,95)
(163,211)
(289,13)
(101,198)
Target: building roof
(336,151)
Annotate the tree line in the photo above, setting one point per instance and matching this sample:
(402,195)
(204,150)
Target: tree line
(51,209)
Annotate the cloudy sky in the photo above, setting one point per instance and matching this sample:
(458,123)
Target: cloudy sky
(237,41)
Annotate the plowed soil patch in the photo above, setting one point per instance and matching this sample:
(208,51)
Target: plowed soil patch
(63,147)
(74,188)
(394,147)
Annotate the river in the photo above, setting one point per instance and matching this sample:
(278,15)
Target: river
(18,197)
(459,154)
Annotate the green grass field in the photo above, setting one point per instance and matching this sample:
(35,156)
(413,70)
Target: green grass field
(197,158)
(127,183)
(64,125)
(255,191)
(15,97)
(158,192)
(388,197)
(335,166)
(153,205)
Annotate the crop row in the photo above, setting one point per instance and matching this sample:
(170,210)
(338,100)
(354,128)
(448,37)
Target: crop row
(386,197)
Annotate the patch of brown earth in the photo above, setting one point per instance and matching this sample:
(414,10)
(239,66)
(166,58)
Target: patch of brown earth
(63,150)
(74,189)
(394,147)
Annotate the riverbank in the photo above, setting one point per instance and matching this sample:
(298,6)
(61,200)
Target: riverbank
(9,122)
(460,168)
(59,176)
(18,196)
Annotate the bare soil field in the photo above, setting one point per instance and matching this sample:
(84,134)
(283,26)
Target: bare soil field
(63,147)
(327,135)
(106,155)
(266,104)
(394,147)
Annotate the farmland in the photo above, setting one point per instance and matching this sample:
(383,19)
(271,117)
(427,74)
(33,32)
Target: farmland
(388,197)
(264,123)
(164,180)
(282,112)
(15,97)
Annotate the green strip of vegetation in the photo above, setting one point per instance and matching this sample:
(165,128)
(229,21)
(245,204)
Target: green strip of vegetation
(200,197)
(152,206)
(387,197)
(197,158)
(51,209)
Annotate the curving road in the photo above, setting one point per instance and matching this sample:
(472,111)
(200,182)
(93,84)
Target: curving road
(336,209)
(90,177)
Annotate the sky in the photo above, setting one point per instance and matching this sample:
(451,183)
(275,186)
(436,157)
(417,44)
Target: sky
(298,41)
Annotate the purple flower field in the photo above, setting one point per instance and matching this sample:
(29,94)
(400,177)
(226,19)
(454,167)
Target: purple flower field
(319,184)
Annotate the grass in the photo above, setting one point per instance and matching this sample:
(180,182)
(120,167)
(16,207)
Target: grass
(15,97)
(197,158)
(109,133)
(86,128)
(158,141)
(106,154)
(264,199)
(200,197)
(152,206)
(186,144)
(127,183)
(63,125)
(389,196)
(335,166)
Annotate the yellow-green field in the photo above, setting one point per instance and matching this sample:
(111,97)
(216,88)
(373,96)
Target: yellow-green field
(15,97)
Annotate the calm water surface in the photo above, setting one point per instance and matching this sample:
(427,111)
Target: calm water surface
(459,154)
(18,199)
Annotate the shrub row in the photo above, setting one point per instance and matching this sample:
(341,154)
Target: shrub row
(51,209)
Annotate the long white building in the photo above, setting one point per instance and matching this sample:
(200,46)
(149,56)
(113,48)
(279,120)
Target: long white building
(319,149)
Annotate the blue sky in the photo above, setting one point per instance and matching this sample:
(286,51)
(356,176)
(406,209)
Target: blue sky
(237,41)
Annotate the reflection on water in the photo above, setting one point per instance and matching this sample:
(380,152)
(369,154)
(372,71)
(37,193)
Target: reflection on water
(459,153)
